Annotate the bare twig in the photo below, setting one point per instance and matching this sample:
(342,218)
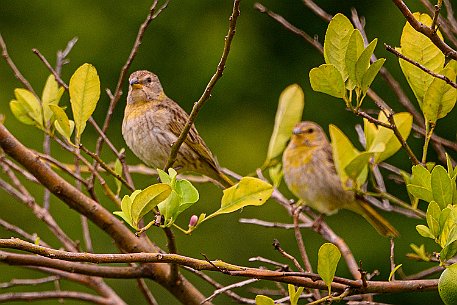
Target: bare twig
(46,295)
(48,65)
(432,34)
(13,67)
(316,9)
(146,292)
(278,248)
(288,26)
(229,287)
(29,282)
(209,87)
(268,224)
(12,228)
(420,66)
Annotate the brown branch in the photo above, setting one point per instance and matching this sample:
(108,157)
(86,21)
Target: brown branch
(46,295)
(278,248)
(268,224)
(12,228)
(296,278)
(29,282)
(432,34)
(316,9)
(146,292)
(420,66)
(50,68)
(209,87)
(75,199)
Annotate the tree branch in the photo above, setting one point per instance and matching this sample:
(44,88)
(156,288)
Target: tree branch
(209,88)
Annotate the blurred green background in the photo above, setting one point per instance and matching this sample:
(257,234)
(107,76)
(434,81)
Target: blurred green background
(183,47)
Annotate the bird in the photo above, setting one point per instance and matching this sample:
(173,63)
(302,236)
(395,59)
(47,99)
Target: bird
(153,122)
(310,174)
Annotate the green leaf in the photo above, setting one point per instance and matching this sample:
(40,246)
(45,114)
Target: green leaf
(148,199)
(327,79)
(404,123)
(21,112)
(183,196)
(420,192)
(393,271)
(452,172)
(440,97)
(294,295)
(276,174)
(433,218)
(52,93)
(448,252)
(126,205)
(336,42)
(327,261)
(64,132)
(445,213)
(370,130)
(370,74)
(343,154)
(164,177)
(63,125)
(84,91)
(419,48)
(358,165)
(421,176)
(442,188)
(30,104)
(363,63)
(118,171)
(420,252)
(263,300)
(288,114)
(354,49)
(249,191)
(424,231)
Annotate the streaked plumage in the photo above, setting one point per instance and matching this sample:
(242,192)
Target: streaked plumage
(153,122)
(310,174)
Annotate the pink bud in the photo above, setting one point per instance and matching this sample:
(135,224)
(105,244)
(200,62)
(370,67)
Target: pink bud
(193,221)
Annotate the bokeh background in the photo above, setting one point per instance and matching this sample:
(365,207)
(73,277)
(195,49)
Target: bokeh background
(183,47)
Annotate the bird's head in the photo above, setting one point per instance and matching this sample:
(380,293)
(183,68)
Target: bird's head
(308,134)
(145,86)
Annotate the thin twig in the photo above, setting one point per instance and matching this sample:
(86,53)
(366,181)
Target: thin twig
(287,25)
(228,287)
(50,68)
(13,67)
(278,248)
(420,66)
(146,292)
(47,295)
(29,282)
(268,224)
(12,228)
(209,87)
(316,9)
(432,34)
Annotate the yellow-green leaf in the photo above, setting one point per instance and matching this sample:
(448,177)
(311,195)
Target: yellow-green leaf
(336,42)
(84,91)
(294,295)
(404,123)
(147,199)
(289,113)
(371,73)
(393,271)
(31,104)
(62,122)
(249,191)
(328,258)
(363,62)
(419,48)
(354,49)
(440,97)
(327,79)
(51,96)
(442,187)
(118,171)
(263,300)
(276,174)
(21,112)
(343,153)
(358,165)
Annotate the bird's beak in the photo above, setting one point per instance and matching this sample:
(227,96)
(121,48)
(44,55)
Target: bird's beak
(296,131)
(135,83)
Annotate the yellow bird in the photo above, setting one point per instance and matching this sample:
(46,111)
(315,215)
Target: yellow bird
(309,172)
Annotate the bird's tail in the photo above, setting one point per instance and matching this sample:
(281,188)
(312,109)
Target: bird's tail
(377,221)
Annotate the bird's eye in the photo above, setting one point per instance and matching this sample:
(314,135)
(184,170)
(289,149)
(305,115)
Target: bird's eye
(309,130)
(149,80)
